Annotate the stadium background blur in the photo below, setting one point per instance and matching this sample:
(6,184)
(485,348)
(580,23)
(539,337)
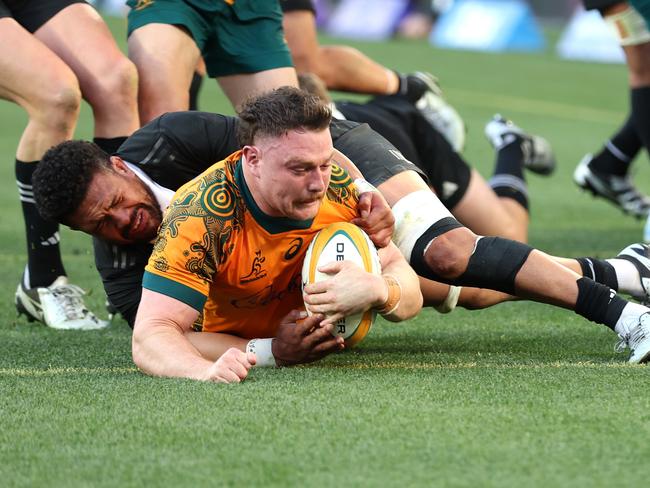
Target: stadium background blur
(521,394)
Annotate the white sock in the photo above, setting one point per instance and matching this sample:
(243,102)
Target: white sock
(628,277)
(629,318)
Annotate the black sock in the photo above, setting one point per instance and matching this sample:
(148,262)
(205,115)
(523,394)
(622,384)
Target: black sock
(410,87)
(43,252)
(195,87)
(508,178)
(641,113)
(109,145)
(619,151)
(598,303)
(599,271)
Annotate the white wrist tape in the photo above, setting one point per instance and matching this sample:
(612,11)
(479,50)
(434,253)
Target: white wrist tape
(262,350)
(363,186)
(450,301)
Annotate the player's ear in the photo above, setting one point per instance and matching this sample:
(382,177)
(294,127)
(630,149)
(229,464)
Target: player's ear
(118,165)
(252,156)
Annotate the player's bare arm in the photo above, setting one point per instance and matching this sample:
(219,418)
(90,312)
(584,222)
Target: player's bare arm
(299,339)
(395,293)
(160,347)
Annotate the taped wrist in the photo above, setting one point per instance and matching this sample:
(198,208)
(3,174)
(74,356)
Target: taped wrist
(263,352)
(394,295)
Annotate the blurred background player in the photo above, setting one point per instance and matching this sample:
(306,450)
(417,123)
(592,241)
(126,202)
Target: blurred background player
(241,43)
(52,54)
(606,174)
(345,68)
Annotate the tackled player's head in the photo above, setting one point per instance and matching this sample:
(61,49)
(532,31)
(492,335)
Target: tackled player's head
(79,185)
(287,149)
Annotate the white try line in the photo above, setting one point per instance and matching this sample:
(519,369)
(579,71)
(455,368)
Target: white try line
(506,103)
(37,372)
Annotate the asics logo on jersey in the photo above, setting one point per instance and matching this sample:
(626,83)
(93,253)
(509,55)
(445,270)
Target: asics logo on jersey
(257,271)
(294,247)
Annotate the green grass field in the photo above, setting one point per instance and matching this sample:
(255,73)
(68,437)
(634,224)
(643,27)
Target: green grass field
(519,395)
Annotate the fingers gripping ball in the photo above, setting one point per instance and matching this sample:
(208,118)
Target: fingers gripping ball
(343,242)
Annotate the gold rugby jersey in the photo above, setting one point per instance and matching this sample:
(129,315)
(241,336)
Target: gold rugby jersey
(220,254)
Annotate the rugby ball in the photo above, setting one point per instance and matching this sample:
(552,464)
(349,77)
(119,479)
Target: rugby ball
(343,241)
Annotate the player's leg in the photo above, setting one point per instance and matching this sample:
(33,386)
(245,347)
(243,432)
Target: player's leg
(108,80)
(247,52)
(485,213)
(606,173)
(440,249)
(241,86)
(341,67)
(35,78)
(506,197)
(165,40)
(195,85)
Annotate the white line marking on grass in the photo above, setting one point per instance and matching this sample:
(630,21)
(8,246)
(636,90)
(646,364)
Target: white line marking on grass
(33,372)
(505,103)
(472,365)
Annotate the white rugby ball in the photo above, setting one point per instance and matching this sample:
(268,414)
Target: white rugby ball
(343,241)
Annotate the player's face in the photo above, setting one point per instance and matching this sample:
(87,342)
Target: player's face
(294,173)
(118,207)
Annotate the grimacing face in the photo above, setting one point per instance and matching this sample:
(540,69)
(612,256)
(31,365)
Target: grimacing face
(118,207)
(290,173)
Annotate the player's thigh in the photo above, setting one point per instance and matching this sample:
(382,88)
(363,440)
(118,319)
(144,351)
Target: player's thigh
(79,36)
(166,56)
(31,75)
(300,33)
(482,211)
(240,87)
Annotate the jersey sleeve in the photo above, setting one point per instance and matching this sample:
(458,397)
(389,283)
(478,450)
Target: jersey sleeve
(121,269)
(182,264)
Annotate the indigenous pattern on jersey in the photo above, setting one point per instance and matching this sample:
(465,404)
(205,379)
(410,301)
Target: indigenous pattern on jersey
(220,254)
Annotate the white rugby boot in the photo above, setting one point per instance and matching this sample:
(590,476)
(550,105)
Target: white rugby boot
(538,154)
(618,190)
(637,339)
(59,306)
(440,114)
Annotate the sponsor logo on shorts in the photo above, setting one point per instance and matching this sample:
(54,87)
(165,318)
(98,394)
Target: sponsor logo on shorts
(142,4)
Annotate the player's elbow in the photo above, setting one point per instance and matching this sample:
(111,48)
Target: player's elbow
(138,351)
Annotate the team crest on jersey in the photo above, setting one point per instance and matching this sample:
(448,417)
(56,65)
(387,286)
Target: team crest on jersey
(257,269)
(142,4)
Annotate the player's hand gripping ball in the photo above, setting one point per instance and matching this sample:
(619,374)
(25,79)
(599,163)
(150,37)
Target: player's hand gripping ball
(343,242)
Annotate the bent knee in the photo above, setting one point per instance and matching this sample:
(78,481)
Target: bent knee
(57,108)
(448,255)
(115,86)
